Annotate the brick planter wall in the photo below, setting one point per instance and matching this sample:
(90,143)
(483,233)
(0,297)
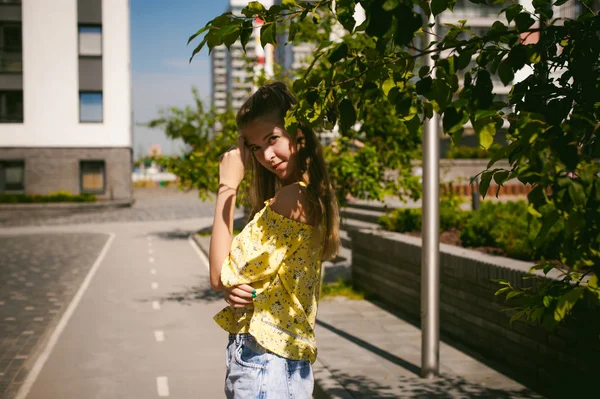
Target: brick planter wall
(387,265)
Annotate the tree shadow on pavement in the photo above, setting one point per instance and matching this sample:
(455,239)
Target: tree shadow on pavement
(175,234)
(200,292)
(372,348)
(444,386)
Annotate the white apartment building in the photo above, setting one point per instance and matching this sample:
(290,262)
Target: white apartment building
(65,97)
(233,71)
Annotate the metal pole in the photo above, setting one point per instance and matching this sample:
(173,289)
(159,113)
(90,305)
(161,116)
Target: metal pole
(430,251)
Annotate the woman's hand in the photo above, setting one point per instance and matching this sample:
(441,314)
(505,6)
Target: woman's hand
(231,165)
(239,296)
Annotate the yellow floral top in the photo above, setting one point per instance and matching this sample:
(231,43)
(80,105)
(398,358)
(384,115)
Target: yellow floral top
(281,259)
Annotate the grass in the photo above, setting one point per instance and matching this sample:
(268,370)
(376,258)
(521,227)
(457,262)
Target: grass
(342,288)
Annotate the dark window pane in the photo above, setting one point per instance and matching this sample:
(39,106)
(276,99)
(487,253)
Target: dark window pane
(12,175)
(11,106)
(13,38)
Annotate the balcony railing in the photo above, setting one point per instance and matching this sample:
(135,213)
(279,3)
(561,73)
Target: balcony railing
(11,61)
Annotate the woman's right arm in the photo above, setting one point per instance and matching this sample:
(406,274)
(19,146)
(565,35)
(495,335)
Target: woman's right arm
(231,173)
(222,233)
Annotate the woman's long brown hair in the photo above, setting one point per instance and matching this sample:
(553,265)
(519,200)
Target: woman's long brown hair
(273,100)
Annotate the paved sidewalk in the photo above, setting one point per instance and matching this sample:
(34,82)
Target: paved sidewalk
(366,351)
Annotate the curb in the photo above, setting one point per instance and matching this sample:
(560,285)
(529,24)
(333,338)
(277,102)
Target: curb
(326,386)
(68,205)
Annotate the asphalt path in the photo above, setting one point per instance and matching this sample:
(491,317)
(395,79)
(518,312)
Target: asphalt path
(110,309)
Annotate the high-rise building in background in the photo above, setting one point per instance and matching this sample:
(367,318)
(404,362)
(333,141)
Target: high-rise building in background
(65,97)
(233,70)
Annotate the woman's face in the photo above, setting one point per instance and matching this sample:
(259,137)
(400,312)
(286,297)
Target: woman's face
(273,148)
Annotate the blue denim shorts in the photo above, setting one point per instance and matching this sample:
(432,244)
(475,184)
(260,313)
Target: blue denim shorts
(254,372)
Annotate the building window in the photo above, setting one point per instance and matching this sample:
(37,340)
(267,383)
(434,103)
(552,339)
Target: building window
(93,176)
(11,47)
(11,106)
(12,176)
(90,107)
(90,40)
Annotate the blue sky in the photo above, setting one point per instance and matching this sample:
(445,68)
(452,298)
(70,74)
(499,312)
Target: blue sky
(161,74)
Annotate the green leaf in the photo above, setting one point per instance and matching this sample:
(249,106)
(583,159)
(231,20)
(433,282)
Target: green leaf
(292,32)
(517,316)
(268,33)
(338,52)
(387,86)
(229,35)
(566,302)
(524,21)
(390,5)
(486,133)
(379,20)
(501,290)
(347,115)
(246,34)
(407,23)
(548,221)
(255,7)
(577,193)
(501,176)
(512,11)
(486,179)
(547,300)
(505,72)
(513,294)
(438,6)
(424,85)
(560,2)
(201,31)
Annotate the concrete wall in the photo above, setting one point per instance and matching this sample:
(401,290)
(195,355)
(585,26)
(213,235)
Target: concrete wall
(387,265)
(53,169)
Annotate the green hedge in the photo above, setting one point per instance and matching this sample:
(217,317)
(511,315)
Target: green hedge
(61,196)
(465,152)
(506,226)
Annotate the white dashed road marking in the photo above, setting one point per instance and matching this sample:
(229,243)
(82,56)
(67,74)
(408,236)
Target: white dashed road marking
(162,386)
(155,305)
(153,271)
(151,259)
(159,335)
(154,286)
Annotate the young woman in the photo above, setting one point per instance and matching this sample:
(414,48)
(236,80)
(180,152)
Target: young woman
(271,272)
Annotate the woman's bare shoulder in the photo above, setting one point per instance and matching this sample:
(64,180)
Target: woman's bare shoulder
(291,201)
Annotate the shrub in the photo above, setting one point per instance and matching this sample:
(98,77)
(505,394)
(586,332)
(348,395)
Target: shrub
(506,226)
(409,220)
(465,152)
(61,196)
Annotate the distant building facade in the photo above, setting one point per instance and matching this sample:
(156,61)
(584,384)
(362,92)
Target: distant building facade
(65,97)
(233,71)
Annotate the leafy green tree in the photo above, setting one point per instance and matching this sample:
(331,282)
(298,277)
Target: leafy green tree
(553,133)
(206,135)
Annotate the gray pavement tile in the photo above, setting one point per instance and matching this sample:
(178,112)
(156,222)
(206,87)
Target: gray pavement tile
(25,314)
